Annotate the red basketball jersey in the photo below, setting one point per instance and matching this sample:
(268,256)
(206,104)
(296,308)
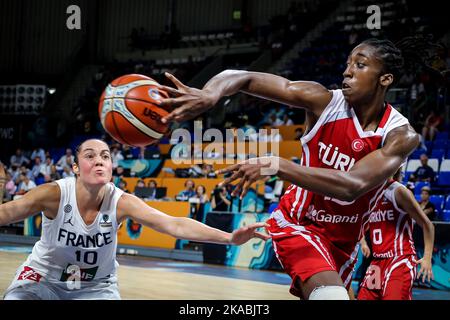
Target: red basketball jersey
(336,141)
(390,228)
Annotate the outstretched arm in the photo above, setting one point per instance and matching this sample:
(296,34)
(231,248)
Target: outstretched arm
(192,102)
(42,198)
(130,206)
(365,175)
(406,201)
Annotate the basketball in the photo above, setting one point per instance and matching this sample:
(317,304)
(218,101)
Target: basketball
(129,110)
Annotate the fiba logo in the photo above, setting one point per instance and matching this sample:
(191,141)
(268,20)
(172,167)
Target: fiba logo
(357,145)
(106,222)
(67,208)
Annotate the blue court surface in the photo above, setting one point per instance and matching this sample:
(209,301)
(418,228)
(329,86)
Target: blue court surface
(228,272)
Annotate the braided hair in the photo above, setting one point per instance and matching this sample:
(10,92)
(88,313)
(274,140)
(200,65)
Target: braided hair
(410,52)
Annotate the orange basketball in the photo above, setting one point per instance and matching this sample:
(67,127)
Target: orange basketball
(129,110)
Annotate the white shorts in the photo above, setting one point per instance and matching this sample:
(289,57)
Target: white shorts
(35,287)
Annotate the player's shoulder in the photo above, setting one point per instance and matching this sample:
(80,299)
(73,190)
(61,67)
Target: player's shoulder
(126,205)
(402,135)
(395,190)
(336,108)
(126,200)
(50,190)
(45,197)
(337,101)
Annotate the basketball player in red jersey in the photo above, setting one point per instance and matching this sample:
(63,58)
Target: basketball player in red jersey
(353,143)
(392,271)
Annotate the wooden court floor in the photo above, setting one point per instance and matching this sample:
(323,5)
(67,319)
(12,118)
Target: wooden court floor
(161,284)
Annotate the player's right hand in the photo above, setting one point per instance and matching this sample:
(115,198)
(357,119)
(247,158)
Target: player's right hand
(426,270)
(189,102)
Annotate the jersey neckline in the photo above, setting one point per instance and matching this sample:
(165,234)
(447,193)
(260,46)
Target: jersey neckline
(78,214)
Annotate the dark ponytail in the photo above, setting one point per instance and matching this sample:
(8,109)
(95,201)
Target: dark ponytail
(411,53)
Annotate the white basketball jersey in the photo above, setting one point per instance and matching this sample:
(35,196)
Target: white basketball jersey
(68,245)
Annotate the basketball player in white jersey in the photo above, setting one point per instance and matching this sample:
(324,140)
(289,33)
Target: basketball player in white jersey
(76,255)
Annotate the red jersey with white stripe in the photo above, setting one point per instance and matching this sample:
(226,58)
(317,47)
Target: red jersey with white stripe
(336,141)
(390,227)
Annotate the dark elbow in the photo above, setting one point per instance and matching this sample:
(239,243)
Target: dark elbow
(351,192)
(347,196)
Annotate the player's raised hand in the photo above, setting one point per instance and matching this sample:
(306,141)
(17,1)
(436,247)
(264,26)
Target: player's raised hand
(189,102)
(242,235)
(425,270)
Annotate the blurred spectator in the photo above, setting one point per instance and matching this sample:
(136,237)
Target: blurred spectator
(406,79)
(38,170)
(38,152)
(432,125)
(10,187)
(48,155)
(417,89)
(18,159)
(66,160)
(22,170)
(140,183)
(246,126)
(48,166)
(67,172)
(298,133)
(424,172)
(54,174)
(14,171)
(152,185)
(201,198)
(220,199)
(426,205)
(116,156)
(353,37)
(25,185)
(122,172)
(439,62)
(287,121)
(123,186)
(200,193)
(274,121)
(208,171)
(188,192)
(126,153)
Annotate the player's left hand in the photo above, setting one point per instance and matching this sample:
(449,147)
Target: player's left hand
(189,102)
(365,250)
(242,235)
(250,171)
(425,270)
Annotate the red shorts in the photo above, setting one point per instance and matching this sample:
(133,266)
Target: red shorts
(304,253)
(389,279)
